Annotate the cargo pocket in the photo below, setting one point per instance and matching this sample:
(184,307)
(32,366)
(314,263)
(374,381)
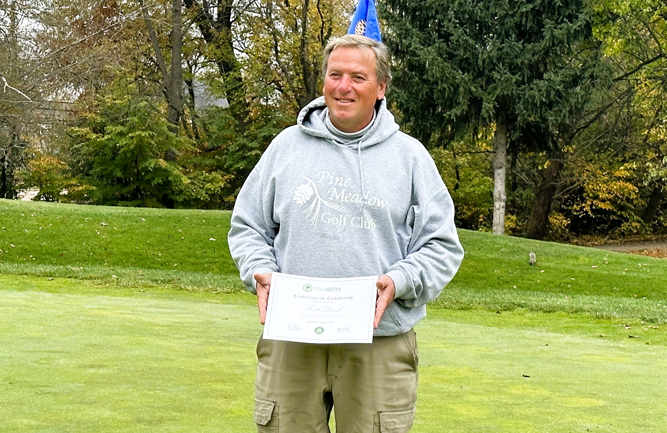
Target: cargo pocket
(398,421)
(266,416)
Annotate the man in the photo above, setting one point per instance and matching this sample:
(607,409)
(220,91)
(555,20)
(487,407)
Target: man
(344,193)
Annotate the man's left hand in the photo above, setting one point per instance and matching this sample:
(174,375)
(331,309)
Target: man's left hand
(385,295)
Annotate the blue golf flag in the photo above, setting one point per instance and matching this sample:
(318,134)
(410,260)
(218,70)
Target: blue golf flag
(365,21)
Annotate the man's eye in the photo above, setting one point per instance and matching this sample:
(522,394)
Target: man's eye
(359,78)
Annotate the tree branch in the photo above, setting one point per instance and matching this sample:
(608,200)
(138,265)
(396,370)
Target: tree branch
(276,51)
(154,42)
(638,68)
(303,51)
(14,89)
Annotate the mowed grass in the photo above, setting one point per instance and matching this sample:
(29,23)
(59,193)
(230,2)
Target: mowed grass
(187,249)
(96,363)
(41,233)
(80,358)
(133,320)
(118,246)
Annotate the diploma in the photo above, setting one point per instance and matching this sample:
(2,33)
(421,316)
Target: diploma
(320,310)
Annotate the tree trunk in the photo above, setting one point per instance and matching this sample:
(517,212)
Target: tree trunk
(216,29)
(172,80)
(3,177)
(538,220)
(175,82)
(308,74)
(457,172)
(499,170)
(653,204)
(513,171)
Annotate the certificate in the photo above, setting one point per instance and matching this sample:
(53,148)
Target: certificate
(321,310)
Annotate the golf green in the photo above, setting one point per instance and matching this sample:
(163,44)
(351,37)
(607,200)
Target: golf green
(90,361)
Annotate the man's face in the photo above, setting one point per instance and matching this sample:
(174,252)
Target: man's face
(351,88)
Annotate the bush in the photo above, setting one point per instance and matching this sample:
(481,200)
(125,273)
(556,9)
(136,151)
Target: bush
(471,187)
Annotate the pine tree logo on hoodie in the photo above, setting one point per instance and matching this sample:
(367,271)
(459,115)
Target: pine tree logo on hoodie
(303,194)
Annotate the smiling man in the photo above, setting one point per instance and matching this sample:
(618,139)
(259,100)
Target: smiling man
(344,193)
(352,87)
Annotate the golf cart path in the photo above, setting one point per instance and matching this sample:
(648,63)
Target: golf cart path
(625,247)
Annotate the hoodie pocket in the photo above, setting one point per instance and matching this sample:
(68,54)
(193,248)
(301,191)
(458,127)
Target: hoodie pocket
(266,416)
(397,421)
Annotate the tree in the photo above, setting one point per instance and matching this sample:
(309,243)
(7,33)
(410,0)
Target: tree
(172,78)
(286,39)
(18,78)
(462,66)
(264,57)
(635,33)
(121,151)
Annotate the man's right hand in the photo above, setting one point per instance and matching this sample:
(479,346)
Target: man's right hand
(263,287)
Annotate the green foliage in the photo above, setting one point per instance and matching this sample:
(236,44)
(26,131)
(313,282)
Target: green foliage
(228,151)
(634,33)
(458,66)
(466,64)
(49,174)
(121,151)
(559,226)
(606,202)
(467,177)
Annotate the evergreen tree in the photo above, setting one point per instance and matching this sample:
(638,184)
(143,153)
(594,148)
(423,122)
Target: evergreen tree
(513,65)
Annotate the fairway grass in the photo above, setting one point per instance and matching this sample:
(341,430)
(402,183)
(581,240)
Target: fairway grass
(80,358)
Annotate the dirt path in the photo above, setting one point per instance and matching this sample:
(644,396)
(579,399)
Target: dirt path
(645,248)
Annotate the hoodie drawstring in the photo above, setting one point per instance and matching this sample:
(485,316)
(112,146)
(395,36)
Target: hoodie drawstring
(361,176)
(361,170)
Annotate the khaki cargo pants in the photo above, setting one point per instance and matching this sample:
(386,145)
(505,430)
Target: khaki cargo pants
(373,387)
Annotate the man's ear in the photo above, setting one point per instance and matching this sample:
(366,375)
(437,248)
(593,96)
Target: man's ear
(382,88)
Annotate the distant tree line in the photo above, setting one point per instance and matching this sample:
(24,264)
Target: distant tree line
(546,119)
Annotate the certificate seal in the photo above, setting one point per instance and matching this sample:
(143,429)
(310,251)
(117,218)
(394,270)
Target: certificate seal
(319,330)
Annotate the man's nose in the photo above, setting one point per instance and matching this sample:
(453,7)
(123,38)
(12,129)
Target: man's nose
(344,85)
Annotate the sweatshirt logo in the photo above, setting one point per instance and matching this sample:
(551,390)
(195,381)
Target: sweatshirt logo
(313,212)
(326,210)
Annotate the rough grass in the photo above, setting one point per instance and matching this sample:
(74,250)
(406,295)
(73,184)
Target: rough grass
(501,262)
(52,234)
(187,249)
(496,275)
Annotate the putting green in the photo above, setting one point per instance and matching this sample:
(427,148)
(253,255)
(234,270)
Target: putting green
(161,362)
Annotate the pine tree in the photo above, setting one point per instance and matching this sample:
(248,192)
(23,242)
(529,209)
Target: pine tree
(512,65)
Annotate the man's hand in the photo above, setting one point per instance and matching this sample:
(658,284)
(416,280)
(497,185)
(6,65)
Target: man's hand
(263,286)
(385,295)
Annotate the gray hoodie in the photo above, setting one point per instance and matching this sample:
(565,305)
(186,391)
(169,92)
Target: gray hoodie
(314,206)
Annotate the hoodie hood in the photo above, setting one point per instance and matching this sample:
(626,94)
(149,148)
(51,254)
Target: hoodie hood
(312,121)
